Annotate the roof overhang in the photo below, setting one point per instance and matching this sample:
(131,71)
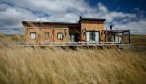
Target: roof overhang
(92,19)
(29,23)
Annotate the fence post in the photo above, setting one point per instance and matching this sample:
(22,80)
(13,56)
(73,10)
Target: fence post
(129,37)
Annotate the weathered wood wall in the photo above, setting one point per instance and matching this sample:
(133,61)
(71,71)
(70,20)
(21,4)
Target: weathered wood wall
(92,26)
(66,29)
(40,33)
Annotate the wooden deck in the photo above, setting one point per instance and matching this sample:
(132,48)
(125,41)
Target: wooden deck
(57,44)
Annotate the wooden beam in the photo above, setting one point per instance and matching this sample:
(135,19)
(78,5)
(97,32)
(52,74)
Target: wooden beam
(118,34)
(129,37)
(106,35)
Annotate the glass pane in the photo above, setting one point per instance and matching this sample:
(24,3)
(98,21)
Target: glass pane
(97,36)
(60,36)
(32,35)
(87,36)
(72,37)
(92,36)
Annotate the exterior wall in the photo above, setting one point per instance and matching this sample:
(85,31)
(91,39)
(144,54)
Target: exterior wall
(40,34)
(27,35)
(65,35)
(92,26)
(75,30)
(54,29)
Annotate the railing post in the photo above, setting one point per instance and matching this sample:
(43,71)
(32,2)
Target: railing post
(106,35)
(118,34)
(129,37)
(105,38)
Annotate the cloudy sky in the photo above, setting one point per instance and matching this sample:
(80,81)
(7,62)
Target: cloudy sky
(123,14)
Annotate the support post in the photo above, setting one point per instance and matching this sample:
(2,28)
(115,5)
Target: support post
(118,34)
(53,35)
(106,35)
(129,37)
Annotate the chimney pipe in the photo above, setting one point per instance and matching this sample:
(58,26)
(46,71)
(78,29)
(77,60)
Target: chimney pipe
(111,27)
(80,17)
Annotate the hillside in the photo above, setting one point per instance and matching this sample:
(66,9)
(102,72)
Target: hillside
(26,65)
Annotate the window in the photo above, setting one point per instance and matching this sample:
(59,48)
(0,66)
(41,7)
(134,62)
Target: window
(46,35)
(60,36)
(33,35)
(72,37)
(92,36)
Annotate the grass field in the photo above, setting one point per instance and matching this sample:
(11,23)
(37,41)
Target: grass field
(138,40)
(26,65)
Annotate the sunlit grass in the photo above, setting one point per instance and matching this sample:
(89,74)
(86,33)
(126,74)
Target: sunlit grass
(26,65)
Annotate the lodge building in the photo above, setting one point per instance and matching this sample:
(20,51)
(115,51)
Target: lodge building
(86,30)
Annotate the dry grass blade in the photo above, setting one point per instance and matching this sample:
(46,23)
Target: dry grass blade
(26,65)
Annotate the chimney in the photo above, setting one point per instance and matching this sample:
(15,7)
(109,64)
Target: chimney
(111,27)
(80,17)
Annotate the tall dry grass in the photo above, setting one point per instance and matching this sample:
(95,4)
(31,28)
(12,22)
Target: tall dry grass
(26,65)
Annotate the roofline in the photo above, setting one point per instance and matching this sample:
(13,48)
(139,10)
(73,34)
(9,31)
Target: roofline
(63,23)
(117,31)
(55,23)
(92,19)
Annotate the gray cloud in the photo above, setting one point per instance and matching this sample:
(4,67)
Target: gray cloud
(12,12)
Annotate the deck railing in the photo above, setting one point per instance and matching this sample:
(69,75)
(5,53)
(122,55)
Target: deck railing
(71,44)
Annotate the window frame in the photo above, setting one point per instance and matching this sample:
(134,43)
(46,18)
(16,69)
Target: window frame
(31,35)
(92,35)
(59,33)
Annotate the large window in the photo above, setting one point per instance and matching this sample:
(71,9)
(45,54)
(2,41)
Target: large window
(46,35)
(92,36)
(60,36)
(33,35)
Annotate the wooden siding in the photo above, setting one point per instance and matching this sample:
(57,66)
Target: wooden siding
(92,26)
(28,38)
(40,34)
(66,29)
(74,30)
